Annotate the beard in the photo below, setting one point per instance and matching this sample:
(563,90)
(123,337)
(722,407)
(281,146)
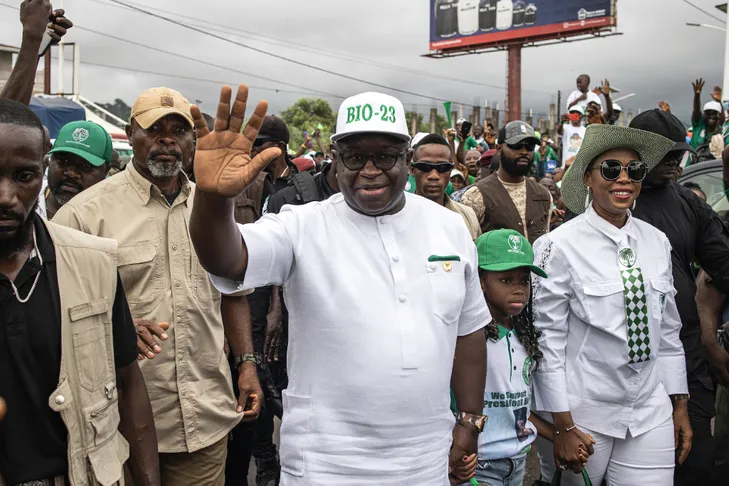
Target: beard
(16,242)
(61,197)
(512,168)
(163,169)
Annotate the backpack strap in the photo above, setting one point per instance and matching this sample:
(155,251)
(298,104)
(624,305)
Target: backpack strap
(306,188)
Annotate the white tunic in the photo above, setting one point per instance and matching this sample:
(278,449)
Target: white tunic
(581,311)
(372,334)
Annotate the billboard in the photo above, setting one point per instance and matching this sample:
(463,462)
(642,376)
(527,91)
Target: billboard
(457,24)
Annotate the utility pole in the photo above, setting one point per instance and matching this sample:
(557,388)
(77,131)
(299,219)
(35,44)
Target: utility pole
(514,84)
(47,72)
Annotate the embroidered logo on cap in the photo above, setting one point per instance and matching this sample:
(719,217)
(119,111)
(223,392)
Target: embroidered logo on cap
(515,245)
(523,128)
(167,101)
(80,134)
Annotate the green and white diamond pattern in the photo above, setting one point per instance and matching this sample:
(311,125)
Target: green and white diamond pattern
(636,310)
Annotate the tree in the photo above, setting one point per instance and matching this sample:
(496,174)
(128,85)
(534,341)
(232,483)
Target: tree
(424,125)
(306,115)
(118,108)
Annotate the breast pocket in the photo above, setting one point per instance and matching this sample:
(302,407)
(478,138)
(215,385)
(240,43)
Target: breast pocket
(660,289)
(599,304)
(448,289)
(140,269)
(90,349)
(206,295)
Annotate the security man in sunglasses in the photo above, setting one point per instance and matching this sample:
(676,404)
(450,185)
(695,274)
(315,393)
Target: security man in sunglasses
(696,233)
(431,167)
(507,198)
(383,293)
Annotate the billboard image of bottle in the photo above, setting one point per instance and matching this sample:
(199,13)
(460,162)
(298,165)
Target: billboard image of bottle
(456,24)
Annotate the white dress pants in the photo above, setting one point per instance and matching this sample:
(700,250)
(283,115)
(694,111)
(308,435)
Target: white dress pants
(648,459)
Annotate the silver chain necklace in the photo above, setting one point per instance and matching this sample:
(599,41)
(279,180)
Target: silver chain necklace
(37,276)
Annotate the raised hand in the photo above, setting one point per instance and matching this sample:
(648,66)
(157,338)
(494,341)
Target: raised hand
(663,105)
(698,85)
(605,87)
(223,163)
(59,25)
(35,15)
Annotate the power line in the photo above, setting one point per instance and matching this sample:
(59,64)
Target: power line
(192,78)
(703,11)
(207,63)
(309,91)
(277,56)
(314,50)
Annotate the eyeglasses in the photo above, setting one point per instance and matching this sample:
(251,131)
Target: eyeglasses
(383,161)
(528,144)
(610,170)
(441,167)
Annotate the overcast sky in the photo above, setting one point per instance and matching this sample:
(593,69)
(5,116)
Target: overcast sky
(657,56)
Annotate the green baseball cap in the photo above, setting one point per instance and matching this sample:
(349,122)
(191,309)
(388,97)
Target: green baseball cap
(505,249)
(85,139)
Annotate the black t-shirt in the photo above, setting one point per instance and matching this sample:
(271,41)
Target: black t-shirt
(32,436)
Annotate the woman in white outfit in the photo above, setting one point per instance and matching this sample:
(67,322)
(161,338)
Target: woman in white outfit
(613,365)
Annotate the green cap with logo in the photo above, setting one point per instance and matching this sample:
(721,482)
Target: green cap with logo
(505,249)
(85,139)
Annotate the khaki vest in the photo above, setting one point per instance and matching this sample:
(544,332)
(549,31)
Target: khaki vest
(248,204)
(500,211)
(86,396)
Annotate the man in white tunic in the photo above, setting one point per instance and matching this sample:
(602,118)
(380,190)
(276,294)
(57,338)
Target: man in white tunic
(383,295)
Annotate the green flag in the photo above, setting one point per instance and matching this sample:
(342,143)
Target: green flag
(447,105)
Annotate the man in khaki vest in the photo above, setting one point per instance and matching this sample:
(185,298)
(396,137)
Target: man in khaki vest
(147,210)
(77,405)
(507,198)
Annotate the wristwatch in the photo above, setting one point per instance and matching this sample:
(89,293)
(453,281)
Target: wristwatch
(469,420)
(679,397)
(239,360)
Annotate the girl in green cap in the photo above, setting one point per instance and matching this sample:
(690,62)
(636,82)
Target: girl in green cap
(506,262)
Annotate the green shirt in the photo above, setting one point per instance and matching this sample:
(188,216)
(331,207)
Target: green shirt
(699,135)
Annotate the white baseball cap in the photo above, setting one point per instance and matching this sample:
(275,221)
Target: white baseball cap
(616,107)
(417,138)
(371,113)
(578,109)
(713,105)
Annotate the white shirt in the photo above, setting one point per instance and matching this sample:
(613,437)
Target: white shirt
(372,334)
(581,311)
(507,398)
(583,103)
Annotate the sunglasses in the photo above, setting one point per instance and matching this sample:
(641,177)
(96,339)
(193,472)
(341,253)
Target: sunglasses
(524,144)
(427,167)
(610,170)
(674,159)
(383,161)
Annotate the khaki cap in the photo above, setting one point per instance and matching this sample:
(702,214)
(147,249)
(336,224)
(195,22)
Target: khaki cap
(156,103)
